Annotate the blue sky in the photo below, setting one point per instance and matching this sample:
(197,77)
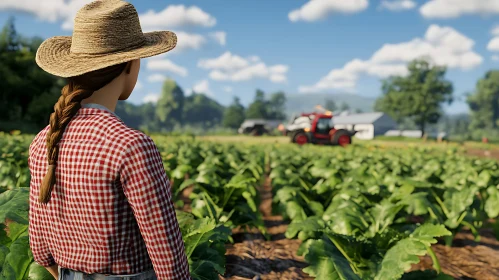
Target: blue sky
(231,48)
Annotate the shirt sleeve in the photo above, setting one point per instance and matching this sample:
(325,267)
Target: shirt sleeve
(147,188)
(41,253)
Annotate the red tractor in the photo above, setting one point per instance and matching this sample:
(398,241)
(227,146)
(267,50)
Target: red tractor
(317,128)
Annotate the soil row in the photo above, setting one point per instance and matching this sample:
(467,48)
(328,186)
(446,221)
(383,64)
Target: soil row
(253,257)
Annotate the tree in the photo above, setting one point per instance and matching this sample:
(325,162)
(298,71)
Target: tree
(277,106)
(418,96)
(201,110)
(358,111)
(9,40)
(27,93)
(234,114)
(331,105)
(169,109)
(484,102)
(344,107)
(258,109)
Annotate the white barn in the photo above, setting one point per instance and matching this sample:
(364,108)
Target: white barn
(367,125)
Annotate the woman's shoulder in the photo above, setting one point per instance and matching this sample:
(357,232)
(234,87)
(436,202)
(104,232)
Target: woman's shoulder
(40,137)
(129,137)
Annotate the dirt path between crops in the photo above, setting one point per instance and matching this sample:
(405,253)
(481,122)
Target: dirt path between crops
(253,257)
(491,154)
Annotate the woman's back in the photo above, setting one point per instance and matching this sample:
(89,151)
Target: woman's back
(110,210)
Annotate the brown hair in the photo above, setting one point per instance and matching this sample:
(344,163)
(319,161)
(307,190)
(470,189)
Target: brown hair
(77,89)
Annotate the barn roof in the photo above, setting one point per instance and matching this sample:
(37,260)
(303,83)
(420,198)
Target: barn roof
(362,118)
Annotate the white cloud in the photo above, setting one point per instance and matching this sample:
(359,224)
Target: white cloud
(176,16)
(495,57)
(446,9)
(202,87)
(152,97)
(48,10)
(231,67)
(320,9)
(172,16)
(443,45)
(167,65)
(226,61)
(156,78)
(191,41)
(220,37)
(398,5)
(228,89)
(493,45)
(187,41)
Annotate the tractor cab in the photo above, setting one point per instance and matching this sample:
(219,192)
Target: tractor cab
(317,128)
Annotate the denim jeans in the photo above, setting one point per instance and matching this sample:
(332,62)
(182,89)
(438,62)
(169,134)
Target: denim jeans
(68,274)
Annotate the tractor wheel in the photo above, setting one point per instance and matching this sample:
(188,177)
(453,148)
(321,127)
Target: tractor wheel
(255,132)
(300,138)
(341,137)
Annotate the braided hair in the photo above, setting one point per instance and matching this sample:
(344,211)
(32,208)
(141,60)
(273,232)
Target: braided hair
(77,89)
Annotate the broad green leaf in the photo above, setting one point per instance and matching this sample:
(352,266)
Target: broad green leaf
(250,201)
(14,205)
(484,179)
(181,171)
(456,202)
(327,263)
(427,233)
(309,225)
(17,260)
(417,203)
(402,192)
(492,203)
(17,230)
(384,213)
(4,251)
(344,221)
(38,272)
(295,212)
(316,208)
(400,258)
(4,239)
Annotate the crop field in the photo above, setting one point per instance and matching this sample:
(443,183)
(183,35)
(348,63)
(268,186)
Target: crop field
(272,210)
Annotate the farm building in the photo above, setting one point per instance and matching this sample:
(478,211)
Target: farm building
(415,134)
(367,125)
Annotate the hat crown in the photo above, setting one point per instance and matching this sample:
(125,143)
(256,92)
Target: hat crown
(106,26)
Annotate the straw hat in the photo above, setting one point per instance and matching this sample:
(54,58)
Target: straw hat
(105,33)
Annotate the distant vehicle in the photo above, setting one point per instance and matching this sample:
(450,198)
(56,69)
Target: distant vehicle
(255,127)
(317,128)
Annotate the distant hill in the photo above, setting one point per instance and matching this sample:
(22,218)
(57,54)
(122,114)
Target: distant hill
(298,103)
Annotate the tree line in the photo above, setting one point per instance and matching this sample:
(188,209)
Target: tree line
(175,111)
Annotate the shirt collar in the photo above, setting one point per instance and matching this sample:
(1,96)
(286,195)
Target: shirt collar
(99,106)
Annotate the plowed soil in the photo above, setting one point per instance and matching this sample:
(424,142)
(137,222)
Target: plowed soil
(253,257)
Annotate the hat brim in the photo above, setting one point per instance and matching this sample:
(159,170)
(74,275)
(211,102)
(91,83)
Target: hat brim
(54,54)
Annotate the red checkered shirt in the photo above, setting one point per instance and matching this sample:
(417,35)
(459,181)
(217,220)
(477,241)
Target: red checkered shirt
(111,210)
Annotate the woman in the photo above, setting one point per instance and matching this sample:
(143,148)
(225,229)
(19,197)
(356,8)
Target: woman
(100,203)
